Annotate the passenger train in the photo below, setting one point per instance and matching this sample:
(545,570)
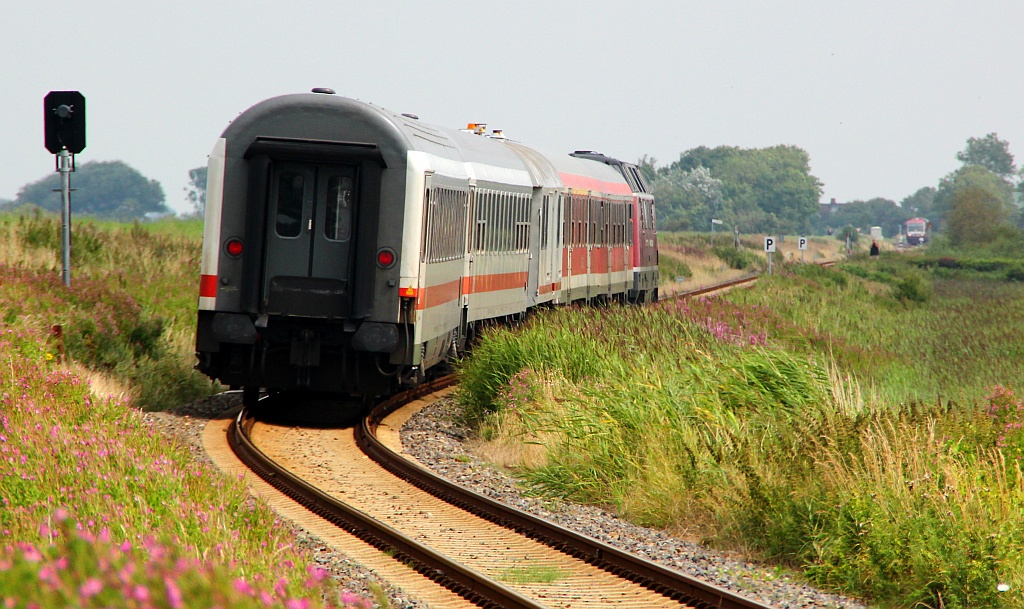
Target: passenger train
(349,249)
(916,231)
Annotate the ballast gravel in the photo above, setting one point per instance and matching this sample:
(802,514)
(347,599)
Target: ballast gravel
(437,440)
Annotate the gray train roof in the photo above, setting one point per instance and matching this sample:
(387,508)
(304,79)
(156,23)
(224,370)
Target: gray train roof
(333,118)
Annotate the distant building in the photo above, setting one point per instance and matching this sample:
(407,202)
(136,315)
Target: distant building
(829,208)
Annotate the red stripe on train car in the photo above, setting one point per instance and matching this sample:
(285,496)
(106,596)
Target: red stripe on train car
(576,181)
(579,261)
(208,286)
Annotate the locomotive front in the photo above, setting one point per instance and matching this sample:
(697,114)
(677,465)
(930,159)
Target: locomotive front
(302,244)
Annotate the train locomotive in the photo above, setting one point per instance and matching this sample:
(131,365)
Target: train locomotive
(349,249)
(916,231)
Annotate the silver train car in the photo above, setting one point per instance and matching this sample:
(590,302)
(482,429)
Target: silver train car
(348,249)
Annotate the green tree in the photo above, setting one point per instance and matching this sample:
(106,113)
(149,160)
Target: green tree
(976,218)
(103,189)
(967,177)
(195,192)
(991,153)
(978,206)
(767,189)
(921,204)
(687,199)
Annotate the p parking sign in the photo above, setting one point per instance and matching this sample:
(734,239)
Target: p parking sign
(769,244)
(801,243)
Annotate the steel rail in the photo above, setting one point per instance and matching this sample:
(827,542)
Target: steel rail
(671,583)
(462,580)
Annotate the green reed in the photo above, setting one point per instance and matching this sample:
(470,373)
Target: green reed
(812,420)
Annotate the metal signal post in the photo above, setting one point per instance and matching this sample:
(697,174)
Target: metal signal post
(64,125)
(65,165)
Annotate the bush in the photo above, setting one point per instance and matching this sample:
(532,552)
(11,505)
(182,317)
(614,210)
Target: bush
(912,287)
(738,259)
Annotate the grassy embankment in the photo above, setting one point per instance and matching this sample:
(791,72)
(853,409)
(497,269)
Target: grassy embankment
(689,261)
(858,424)
(97,510)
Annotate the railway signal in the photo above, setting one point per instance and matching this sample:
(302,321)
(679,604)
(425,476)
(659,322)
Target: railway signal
(801,244)
(64,136)
(769,248)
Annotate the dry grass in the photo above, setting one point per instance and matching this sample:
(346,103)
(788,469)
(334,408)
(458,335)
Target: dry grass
(709,270)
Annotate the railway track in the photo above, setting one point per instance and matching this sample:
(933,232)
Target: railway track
(481,552)
(486,553)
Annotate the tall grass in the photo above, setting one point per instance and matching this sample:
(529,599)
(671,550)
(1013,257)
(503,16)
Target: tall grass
(130,310)
(806,420)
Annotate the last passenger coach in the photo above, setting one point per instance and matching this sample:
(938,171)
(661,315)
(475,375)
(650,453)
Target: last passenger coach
(348,249)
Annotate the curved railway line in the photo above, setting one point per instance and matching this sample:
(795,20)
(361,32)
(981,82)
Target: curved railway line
(450,546)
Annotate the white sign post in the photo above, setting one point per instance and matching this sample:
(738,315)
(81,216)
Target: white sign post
(801,243)
(713,223)
(769,247)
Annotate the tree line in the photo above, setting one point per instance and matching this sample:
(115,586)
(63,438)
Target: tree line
(109,190)
(771,190)
(767,190)
(761,190)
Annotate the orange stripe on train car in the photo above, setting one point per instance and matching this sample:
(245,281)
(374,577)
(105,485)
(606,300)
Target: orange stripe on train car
(436,295)
(497,282)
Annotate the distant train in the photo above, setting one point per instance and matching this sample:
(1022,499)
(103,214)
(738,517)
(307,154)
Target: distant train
(348,249)
(916,231)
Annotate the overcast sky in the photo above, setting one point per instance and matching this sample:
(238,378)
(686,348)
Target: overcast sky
(881,94)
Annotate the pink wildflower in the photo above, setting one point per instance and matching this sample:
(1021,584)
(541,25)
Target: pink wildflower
(31,554)
(173,593)
(90,588)
(140,593)
(243,586)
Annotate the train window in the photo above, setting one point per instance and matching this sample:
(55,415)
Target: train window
(544,222)
(491,224)
(558,223)
(446,226)
(510,221)
(290,191)
(593,223)
(338,225)
(629,225)
(566,210)
(501,221)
